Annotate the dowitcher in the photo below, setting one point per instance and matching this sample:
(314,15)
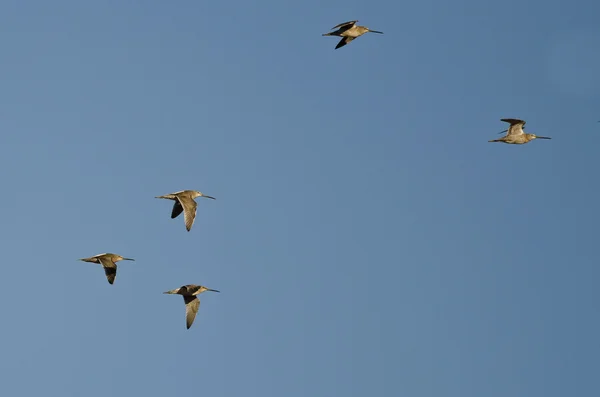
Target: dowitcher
(348,31)
(108,262)
(192,303)
(184,202)
(515,134)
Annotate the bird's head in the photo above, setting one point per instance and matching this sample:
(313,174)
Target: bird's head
(120,258)
(196,193)
(533,136)
(203,288)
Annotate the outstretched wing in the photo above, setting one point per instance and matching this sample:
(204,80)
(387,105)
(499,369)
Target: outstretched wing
(343,42)
(189,211)
(191,308)
(110,269)
(346,25)
(516,126)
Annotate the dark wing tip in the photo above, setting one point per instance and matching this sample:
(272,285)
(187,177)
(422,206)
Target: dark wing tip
(346,23)
(177,209)
(513,121)
(111,273)
(342,43)
(343,24)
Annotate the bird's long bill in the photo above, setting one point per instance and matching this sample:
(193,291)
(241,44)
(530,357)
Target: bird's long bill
(128,259)
(501,132)
(543,137)
(173,291)
(210,197)
(213,290)
(375,31)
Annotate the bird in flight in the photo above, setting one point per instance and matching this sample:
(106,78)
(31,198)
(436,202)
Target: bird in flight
(515,134)
(108,262)
(184,202)
(349,31)
(192,303)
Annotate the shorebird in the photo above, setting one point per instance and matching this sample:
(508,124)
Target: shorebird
(515,134)
(348,31)
(192,303)
(184,201)
(108,262)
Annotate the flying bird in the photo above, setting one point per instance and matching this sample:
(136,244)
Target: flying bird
(515,134)
(349,31)
(184,202)
(192,303)
(108,262)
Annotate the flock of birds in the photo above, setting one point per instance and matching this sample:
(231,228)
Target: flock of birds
(184,202)
(185,199)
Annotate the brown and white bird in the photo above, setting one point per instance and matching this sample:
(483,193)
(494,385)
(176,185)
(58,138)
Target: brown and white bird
(108,262)
(515,134)
(192,303)
(184,202)
(349,31)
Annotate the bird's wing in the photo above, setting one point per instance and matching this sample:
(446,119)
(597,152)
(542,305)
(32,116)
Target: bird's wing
(191,308)
(110,269)
(346,25)
(343,42)
(177,209)
(516,126)
(189,210)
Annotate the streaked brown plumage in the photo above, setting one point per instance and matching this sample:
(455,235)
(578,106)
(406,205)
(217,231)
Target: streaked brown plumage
(515,134)
(184,202)
(349,31)
(192,303)
(108,262)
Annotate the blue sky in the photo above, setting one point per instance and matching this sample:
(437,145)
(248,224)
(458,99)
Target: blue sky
(366,238)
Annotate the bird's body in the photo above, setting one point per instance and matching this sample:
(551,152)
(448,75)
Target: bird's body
(348,31)
(184,202)
(515,134)
(192,303)
(108,262)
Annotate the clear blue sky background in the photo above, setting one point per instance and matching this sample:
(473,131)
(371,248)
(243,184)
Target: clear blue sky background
(367,239)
